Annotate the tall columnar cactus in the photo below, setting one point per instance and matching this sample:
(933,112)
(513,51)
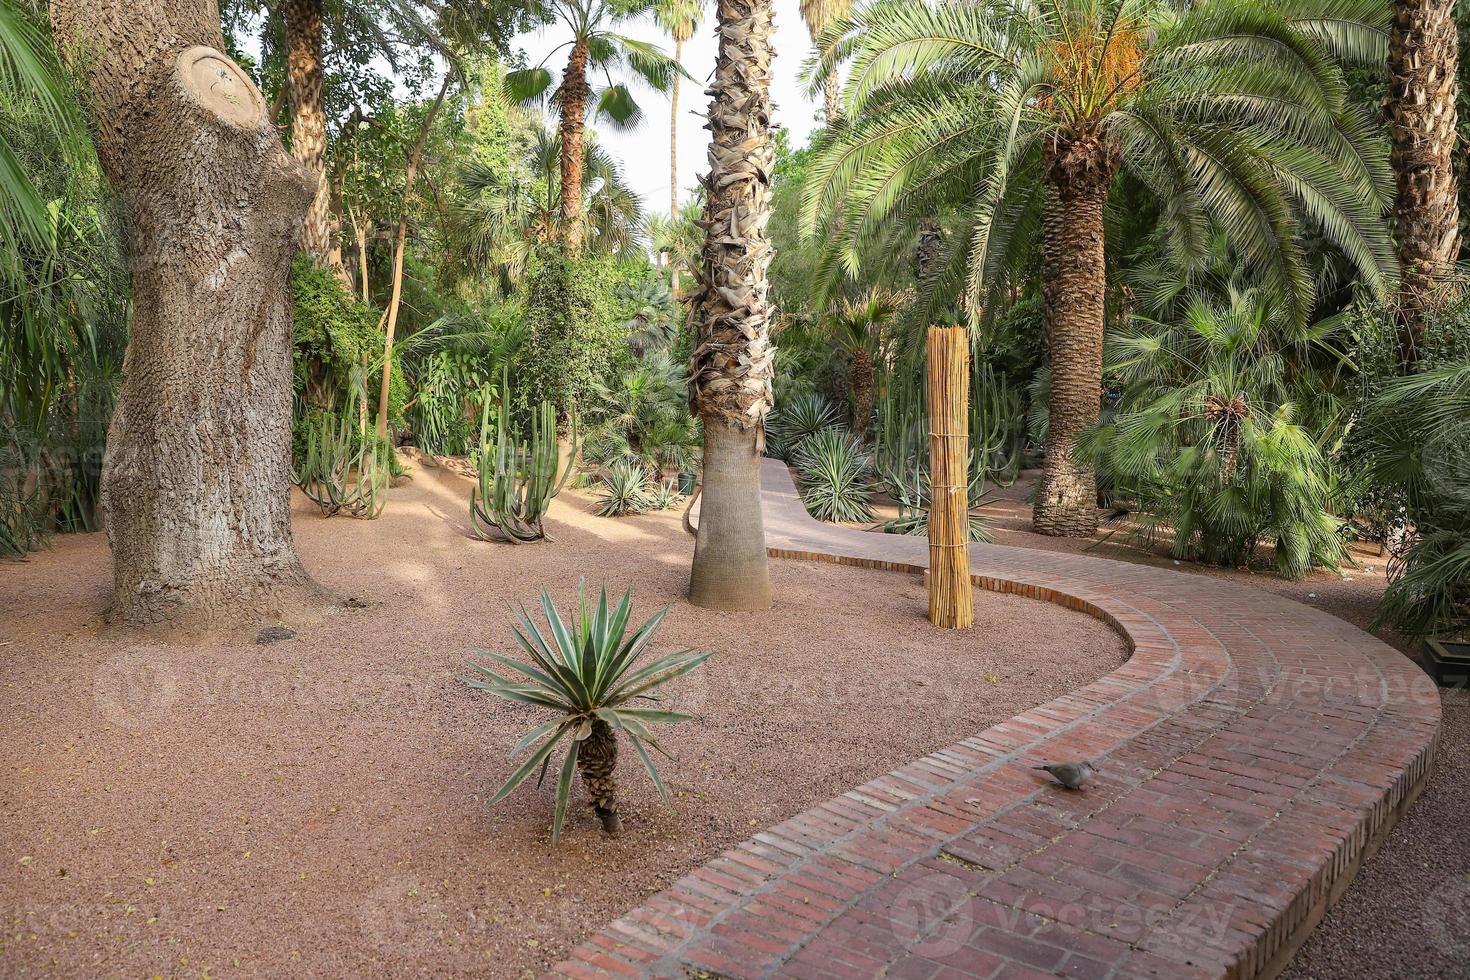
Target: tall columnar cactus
(517,478)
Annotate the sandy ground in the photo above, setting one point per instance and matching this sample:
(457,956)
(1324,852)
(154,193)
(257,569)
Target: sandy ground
(315,807)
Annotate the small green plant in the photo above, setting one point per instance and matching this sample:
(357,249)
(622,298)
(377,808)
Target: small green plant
(345,467)
(793,424)
(517,478)
(584,672)
(664,495)
(835,477)
(625,489)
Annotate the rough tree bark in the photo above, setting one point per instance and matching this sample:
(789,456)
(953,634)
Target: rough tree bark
(573,99)
(1423,60)
(305,81)
(1079,172)
(928,250)
(732,364)
(196,480)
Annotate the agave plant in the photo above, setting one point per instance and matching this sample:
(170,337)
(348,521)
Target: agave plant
(625,489)
(664,495)
(584,671)
(792,424)
(835,477)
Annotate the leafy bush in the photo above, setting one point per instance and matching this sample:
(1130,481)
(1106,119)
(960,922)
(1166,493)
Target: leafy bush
(835,477)
(333,333)
(1210,438)
(573,337)
(625,489)
(583,671)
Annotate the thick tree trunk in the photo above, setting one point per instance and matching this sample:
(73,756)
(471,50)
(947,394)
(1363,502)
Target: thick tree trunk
(574,93)
(730,564)
(197,476)
(305,80)
(400,244)
(1079,173)
(732,363)
(1423,59)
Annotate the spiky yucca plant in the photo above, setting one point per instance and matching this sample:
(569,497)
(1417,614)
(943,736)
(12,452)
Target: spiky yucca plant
(792,424)
(584,671)
(835,476)
(625,489)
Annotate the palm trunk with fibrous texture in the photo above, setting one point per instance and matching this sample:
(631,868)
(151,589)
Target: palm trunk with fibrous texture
(305,81)
(597,760)
(860,382)
(1079,172)
(573,100)
(1423,58)
(197,478)
(732,364)
(928,251)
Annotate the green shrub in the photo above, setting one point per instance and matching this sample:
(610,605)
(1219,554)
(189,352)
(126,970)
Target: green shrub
(584,672)
(573,337)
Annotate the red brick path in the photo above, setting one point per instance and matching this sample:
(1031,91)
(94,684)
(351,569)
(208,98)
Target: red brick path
(1253,751)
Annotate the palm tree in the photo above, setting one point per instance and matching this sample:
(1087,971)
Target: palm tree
(680,239)
(1020,118)
(818,14)
(732,365)
(501,219)
(594,47)
(1423,86)
(681,19)
(858,327)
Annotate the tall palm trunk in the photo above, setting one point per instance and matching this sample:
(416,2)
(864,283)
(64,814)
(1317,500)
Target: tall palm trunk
(928,250)
(574,93)
(1078,172)
(305,80)
(674,160)
(1423,61)
(860,381)
(196,482)
(832,99)
(732,364)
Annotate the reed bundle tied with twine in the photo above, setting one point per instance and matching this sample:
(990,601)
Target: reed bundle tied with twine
(951,605)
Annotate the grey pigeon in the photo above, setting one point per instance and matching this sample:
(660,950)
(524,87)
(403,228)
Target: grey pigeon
(1070,774)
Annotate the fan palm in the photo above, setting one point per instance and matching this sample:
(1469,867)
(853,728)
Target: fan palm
(860,327)
(502,218)
(594,47)
(1019,116)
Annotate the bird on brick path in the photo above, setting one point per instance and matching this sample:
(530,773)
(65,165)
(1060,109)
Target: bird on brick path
(1070,774)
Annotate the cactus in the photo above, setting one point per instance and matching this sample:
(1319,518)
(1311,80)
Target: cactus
(333,453)
(516,478)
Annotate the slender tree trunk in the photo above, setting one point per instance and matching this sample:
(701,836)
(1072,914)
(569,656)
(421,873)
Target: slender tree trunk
(1423,60)
(197,476)
(674,161)
(1079,173)
(732,364)
(400,243)
(928,251)
(574,93)
(860,381)
(305,80)
(832,98)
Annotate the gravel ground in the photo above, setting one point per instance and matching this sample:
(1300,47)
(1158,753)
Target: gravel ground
(315,806)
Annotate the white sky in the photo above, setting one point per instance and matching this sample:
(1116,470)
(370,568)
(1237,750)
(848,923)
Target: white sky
(644,152)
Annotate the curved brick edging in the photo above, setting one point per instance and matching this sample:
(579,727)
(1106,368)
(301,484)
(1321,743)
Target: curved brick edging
(1254,752)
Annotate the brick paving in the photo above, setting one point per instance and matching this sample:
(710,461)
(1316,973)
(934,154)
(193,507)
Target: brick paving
(1252,752)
